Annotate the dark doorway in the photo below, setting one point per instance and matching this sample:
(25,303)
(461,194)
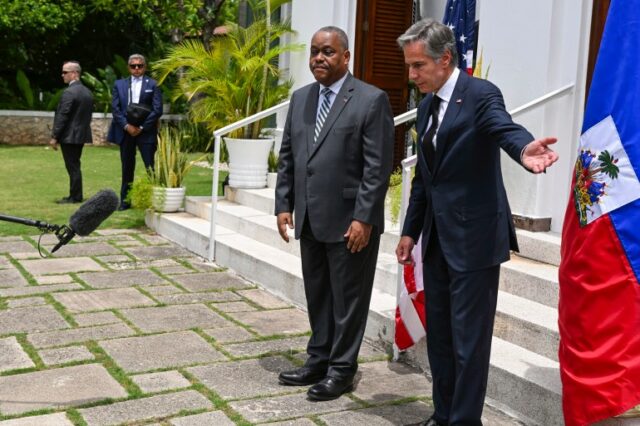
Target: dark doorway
(379,61)
(598,18)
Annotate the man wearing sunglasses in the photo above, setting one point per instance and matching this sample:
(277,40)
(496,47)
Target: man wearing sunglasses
(126,129)
(72,127)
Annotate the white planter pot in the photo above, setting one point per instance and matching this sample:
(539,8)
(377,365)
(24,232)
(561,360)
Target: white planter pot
(248,162)
(272,178)
(167,199)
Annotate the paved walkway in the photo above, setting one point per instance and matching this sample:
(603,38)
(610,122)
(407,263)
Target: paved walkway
(127,328)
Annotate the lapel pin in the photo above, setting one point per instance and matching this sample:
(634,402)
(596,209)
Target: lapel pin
(458,101)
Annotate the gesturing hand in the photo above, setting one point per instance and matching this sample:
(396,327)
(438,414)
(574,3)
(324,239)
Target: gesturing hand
(537,156)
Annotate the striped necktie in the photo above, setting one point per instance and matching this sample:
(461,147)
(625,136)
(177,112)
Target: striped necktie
(322,114)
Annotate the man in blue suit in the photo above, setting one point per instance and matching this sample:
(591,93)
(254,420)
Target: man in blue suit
(128,133)
(459,206)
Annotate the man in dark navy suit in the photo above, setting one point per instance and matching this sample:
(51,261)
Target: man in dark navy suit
(459,206)
(137,89)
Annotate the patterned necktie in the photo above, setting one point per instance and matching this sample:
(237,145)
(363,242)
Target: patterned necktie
(322,114)
(427,142)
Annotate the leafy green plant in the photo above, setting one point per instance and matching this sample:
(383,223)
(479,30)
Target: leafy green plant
(171,164)
(394,195)
(195,136)
(234,77)
(272,162)
(140,194)
(101,86)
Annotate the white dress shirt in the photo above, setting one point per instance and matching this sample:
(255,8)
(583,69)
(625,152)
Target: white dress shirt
(444,94)
(335,89)
(136,87)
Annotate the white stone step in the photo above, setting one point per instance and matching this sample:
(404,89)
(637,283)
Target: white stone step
(540,246)
(522,321)
(530,279)
(521,379)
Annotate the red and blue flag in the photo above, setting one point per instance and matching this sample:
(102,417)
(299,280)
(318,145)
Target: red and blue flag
(599,308)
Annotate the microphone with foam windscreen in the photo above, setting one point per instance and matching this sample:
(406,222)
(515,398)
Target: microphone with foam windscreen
(88,217)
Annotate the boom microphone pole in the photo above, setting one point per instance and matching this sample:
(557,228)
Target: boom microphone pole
(83,222)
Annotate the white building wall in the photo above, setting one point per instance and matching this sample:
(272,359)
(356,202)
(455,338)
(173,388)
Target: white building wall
(307,16)
(535,47)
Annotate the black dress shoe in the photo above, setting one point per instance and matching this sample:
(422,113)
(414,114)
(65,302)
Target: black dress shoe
(303,376)
(330,388)
(122,207)
(429,422)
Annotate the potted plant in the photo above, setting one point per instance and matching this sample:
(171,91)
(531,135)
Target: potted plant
(162,188)
(235,77)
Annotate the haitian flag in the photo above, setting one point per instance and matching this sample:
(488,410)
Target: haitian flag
(599,307)
(460,16)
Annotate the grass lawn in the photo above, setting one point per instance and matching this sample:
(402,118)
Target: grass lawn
(34,177)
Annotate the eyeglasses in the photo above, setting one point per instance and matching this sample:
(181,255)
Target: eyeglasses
(134,66)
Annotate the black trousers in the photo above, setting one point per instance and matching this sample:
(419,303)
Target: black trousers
(460,309)
(338,287)
(128,160)
(71,154)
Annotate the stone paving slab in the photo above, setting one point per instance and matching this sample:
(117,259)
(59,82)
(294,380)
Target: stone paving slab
(12,278)
(212,296)
(217,418)
(208,281)
(26,301)
(4,262)
(15,247)
(296,422)
(162,381)
(235,307)
(161,290)
(173,318)
(96,300)
(154,239)
(96,318)
(389,415)
(65,355)
(144,353)
(263,299)
(57,388)
(61,266)
(114,258)
(30,319)
(57,419)
(288,406)
(79,335)
(127,278)
(232,333)
(223,378)
(157,252)
(12,356)
(145,408)
(53,279)
(293,344)
(87,249)
(388,381)
(281,321)
(175,270)
(38,289)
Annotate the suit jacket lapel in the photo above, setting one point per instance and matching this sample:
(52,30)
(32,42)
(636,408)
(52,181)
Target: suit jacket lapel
(453,109)
(310,112)
(341,100)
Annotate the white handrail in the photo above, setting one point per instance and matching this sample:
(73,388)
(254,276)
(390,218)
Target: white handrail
(216,166)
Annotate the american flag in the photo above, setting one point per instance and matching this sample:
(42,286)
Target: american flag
(460,16)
